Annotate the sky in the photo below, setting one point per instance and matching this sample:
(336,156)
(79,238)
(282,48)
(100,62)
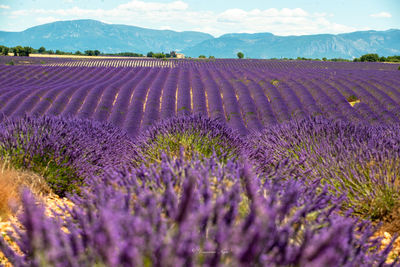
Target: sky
(217,17)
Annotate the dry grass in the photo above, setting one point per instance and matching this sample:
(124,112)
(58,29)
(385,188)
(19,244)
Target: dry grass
(353,103)
(12,182)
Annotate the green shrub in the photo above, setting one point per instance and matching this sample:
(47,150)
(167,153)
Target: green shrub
(187,137)
(352,98)
(60,177)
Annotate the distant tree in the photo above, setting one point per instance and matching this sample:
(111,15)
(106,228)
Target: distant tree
(369,58)
(27,51)
(339,60)
(382,59)
(159,55)
(89,52)
(96,52)
(22,51)
(4,50)
(240,55)
(211,57)
(58,52)
(126,54)
(168,55)
(324,59)
(17,50)
(202,56)
(150,54)
(393,59)
(50,52)
(173,54)
(41,50)
(78,52)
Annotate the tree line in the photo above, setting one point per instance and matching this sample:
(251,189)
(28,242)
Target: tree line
(363,58)
(377,58)
(27,50)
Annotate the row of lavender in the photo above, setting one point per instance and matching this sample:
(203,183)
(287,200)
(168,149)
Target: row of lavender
(245,98)
(221,63)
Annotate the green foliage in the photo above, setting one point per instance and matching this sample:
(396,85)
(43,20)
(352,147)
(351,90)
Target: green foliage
(150,54)
(4,50)
(159,55)
(352,98)
(202,56)
(89,52)
(22,51)
(173,54)
(274,82)
(185,145)
(240,55)
(11,63)
(393,59)
(92,52)
(126,54)
(369,58)
(366,184)
(368,198)
(60,177)
(339,60)
(41,50)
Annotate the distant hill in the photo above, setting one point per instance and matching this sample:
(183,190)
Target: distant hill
(82,35)
(267,45)
(111,38)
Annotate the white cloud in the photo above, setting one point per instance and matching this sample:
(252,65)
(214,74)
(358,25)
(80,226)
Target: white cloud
(381,15)
(178,16)
(4,7)
(43,20)
(136,5)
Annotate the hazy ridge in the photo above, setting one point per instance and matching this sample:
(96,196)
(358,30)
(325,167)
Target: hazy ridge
(111,38)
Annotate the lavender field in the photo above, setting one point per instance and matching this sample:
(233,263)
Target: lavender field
(213,162)
(247,95)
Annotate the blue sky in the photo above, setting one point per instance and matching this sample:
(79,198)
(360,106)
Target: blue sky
(216,17)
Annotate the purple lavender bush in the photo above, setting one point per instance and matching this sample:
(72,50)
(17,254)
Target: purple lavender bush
(193,133)
(358,161)
(63,150)
(195,213)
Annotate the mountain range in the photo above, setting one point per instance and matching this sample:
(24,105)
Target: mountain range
(84,35)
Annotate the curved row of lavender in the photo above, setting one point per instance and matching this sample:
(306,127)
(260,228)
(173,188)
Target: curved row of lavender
(260,200)
(247,95)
